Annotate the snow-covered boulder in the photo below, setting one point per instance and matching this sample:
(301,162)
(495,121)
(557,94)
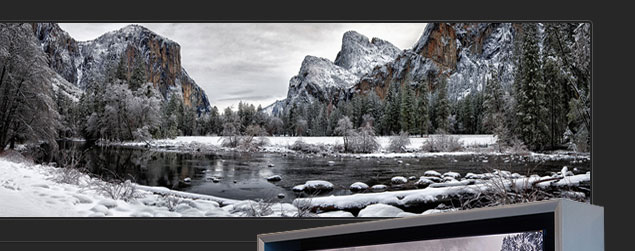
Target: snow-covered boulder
(274,178)
(380,210)
(336,214)
(449,179)
(398,180)
(406,214)
(453,183)
(454,175)
(109,203)
(298,188)
(379,187)
(318,186)
(435,211)
(423,182)
(358,186)
(432,173)
(203,204)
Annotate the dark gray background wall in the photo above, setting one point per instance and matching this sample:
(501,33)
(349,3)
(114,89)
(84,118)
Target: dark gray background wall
(612,95)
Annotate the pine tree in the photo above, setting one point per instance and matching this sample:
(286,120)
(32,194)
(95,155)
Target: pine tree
(421,110)
(292,118)
(138,76)
(442,107)
(406,115)
(493,102)
(121,72)
(531,93)
(390,118)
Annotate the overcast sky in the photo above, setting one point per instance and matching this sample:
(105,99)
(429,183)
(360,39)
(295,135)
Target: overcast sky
(253,62)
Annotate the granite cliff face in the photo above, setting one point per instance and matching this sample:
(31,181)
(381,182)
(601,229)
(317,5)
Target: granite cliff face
(87,62)
(463,54)
(320,80)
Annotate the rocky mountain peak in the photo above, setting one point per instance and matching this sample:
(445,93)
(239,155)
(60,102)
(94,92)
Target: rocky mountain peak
(328,82)
(360,55)
(461,53)
(87,62)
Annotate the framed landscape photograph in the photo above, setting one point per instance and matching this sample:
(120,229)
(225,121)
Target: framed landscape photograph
(292,119)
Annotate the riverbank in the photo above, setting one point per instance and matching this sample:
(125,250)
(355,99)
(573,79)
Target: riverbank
(31,190)
(483,145)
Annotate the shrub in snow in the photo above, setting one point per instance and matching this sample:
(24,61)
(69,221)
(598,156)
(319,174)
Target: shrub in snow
(117,190)
(142,134)
(442,143)
(362,140)
(250,208)
(399,180)
(252,140)
(358,186)
(344,128)
(304,208)
(399,142)
(301,146)
(380,210)
(68,175)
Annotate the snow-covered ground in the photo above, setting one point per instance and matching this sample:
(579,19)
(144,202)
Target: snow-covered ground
(435,194)
(28,190)
(473,145)
(285,142)
(31,190)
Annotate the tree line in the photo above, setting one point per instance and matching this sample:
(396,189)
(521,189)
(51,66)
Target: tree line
(547,106)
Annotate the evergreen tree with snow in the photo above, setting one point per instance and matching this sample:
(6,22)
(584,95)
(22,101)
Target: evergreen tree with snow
(442,107)
(407,114)
(390,118)
(422,120)
(138,76)
(530,93)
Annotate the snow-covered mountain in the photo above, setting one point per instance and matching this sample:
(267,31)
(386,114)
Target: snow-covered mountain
(360,55)
(324,81)
(87,62)
(462,53)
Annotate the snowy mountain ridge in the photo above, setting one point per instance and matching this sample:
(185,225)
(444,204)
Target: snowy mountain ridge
(328,82)
(88,62)
(463,54)
(359,55)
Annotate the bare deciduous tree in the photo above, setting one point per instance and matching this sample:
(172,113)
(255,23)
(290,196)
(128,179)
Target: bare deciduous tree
(27,109)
